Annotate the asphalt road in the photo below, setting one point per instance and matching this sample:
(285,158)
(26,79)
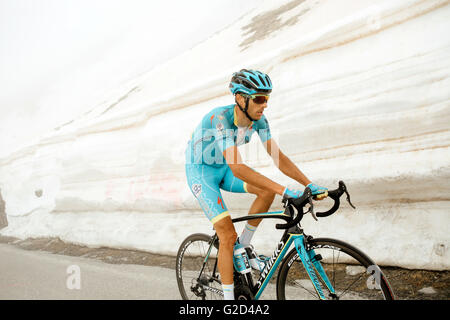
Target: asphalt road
(41,275)
(36,274)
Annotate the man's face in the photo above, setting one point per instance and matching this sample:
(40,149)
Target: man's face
(255,110)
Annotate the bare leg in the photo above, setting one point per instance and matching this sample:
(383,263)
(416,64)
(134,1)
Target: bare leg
(262,203)
(227,238)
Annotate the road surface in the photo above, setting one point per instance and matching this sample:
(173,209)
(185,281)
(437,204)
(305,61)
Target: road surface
(41,275)
(35,274)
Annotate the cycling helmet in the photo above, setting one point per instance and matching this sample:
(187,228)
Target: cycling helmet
(250,82)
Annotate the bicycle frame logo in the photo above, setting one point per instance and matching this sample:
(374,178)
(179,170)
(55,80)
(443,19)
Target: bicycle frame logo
(305,257)
(269,264)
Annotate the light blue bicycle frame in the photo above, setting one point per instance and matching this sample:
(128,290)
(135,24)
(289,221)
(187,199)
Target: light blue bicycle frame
(308,257)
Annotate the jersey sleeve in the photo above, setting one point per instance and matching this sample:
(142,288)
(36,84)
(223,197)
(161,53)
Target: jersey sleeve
(264,129)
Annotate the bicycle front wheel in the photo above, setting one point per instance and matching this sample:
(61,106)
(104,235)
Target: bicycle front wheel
(351,273)
(196,269)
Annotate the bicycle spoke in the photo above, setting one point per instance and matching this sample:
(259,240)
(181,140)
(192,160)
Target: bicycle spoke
(345,291)
(343,264)
(195,275)
(334,272)
(314,294)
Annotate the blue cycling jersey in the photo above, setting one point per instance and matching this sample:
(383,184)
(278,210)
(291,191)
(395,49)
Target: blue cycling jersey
(218,131)
(206,170)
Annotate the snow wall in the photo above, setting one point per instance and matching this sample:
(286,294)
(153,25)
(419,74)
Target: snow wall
(361,94)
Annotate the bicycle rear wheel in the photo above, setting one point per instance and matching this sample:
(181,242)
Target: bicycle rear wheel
(196,269)
(353,275)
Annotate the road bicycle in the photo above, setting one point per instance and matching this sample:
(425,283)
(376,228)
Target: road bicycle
(315,268)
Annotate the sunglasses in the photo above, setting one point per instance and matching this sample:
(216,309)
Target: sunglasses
(259,98)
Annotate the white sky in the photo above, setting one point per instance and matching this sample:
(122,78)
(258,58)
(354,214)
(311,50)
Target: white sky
(58,57)
(42,41)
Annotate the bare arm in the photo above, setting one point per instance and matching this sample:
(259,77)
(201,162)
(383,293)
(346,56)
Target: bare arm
(245,173)
(284,163)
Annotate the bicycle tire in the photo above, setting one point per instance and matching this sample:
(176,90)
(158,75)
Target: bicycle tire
(295,275)
(190,258)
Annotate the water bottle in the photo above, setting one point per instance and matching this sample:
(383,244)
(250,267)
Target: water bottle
(240,259)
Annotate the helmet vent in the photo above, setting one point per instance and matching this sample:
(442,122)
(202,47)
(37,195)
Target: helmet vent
(262,80)
(254,80)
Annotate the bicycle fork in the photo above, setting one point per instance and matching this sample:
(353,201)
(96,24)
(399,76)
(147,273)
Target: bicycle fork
(311,263)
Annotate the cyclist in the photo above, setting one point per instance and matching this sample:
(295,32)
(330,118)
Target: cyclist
(213,163)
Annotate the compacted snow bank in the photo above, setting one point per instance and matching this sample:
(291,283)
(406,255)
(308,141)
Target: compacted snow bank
(361,94)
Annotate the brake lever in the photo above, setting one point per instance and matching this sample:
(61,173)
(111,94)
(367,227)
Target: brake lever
(311,208)
(343,187)
(348,199)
